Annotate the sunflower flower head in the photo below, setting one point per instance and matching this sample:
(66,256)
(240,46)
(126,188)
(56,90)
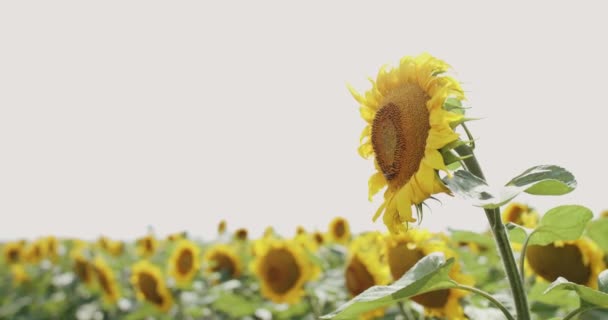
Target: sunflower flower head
(13,252)
(585,261)
(106,281)
(221,227)
(520,214)
(184,263)
(411,112)
(82,267)
(241,234)
(223,260)
(18,274)
(283,268)
(339,230)
(149,285)
(146,246)
(403,251)
(604,214)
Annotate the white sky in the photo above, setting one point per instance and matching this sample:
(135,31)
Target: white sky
(120,115)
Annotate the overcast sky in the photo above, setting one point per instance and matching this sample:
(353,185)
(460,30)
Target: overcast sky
(121,115)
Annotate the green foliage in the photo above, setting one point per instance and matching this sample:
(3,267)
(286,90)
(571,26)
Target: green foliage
(561,223)
(587,296)
(539,180)
(598,231)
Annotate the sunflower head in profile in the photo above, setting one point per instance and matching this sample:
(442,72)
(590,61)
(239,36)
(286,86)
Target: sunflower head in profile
(269,232)
(18,274)
(146,246)
(403,251)
(176,236)
(13,252)
(319,238)
(34,252)
(116,248)
(604,214)
(106,281)
(241,234)
(149,285)
(520,214)
(82,267)
(411,112)
(339,230)
(221,227)
(223,260)
(584,258)
(184,262)
(282,268)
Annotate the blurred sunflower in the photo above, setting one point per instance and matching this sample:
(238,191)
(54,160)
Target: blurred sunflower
(241,234)
(403,251)
(147,246)
(82,267)
(51,248)
(409,125)
(116,248)
(221,227)
(604,214)
(584,259)
(364,268)
(282,268)
(319,238)
(300,230)
(223,260)
(13,252)
(269,232)
(106,281)
(184,263)
(148,282)
(176,236)
(34,252)
(339,230)
(520,214)
(18,274)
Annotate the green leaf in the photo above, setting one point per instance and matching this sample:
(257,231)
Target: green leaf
(234,305)
(517,233)
(545,180)
(429,274)
(539,180)
(587,295)
(561,223)
(598,231)
(483,240)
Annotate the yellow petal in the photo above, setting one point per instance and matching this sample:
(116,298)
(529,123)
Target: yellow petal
(366,133)
(434,160)
(367,114)
(366,150)
(356,95)
(376,183)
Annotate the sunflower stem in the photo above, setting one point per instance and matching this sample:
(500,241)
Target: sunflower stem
(522,258)
(405,312)
(502,240)
(578,311)
(488,296)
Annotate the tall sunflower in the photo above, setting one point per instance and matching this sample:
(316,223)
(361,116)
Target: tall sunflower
(241,234)
(184,263)
(147,246)
(13,252)
(403,251)
(584,258)
(82,267)
(339,230)
(106,281)
(221,227)
(520,214)
(18,274)
(410,120)
(223,260)
(148,282)
(282,268)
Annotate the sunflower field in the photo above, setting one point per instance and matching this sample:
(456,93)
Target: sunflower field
(527,265)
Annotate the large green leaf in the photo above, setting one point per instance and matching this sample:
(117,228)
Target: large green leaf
(429,274)
(517,233)
(598,231)
(234,305)
(484,240)
(587,295)
(561,223)
(539,180)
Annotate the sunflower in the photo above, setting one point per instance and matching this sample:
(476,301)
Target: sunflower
(116,248)
(319,238)
(410,119)
(221,227)
(269,232)
(13,252)
(148,282)
(604,214)
(282,268)
(364,268)
(34,252)
(51,248)
(147,246)
(184,263)
(222,259)
(520,214)
(82,267)
(106,281)
(584,259)
(176,236)
(339,230)
(241,234)
(19,274)
(403,251)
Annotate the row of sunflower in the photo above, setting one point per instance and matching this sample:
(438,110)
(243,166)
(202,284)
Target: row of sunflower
(304,276)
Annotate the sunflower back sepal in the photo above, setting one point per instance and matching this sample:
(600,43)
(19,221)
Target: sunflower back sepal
(562,223)
(587,296)
(539,180)
(431,273)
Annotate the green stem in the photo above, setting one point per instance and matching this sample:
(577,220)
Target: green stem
(502,240)
(488,296)
(574,313)
(405,312)
(522,258)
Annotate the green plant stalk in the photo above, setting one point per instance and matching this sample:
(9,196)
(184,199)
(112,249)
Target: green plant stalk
(488,296)
(578,311)
(502,240)
(522,258)
(405,312)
